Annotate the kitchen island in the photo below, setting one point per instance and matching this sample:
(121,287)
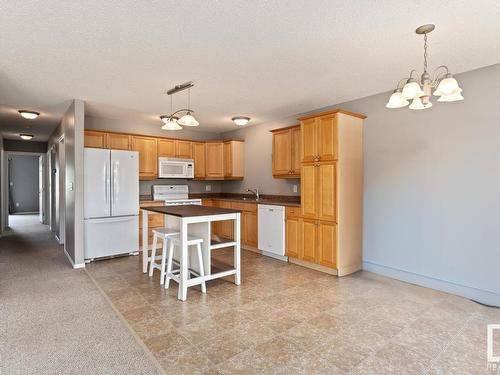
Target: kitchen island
(195,220)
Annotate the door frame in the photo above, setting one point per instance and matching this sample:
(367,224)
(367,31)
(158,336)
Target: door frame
(56,190)
(5,182)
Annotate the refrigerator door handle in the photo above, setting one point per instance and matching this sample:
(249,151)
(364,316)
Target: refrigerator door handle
(106,184)
(115,178)
(111,219)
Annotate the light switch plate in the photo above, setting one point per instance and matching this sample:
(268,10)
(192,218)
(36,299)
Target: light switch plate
(208,187)
(295,189)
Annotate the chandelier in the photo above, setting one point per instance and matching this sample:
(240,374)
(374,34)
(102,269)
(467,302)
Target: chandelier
(172,121)
(419,92)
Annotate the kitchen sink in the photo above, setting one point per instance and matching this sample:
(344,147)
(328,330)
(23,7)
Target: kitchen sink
(249,199)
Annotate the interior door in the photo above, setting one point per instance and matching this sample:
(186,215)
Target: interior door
(124,183)
(96,183)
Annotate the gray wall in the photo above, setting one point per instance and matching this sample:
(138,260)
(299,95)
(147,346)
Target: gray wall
(258,161)
(72,126)
(3,200)
(24,146)
(24,183)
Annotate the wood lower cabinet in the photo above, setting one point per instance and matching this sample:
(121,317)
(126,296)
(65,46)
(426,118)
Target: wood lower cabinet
(148,156)
(154,221)
(199,160)
(214,160)
(250,229)
(309,240)
(293,232)
(119,141)
(95,139)
(327,243)
(286,152)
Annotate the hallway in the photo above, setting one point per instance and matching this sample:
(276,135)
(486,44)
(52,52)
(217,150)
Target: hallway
(53,318)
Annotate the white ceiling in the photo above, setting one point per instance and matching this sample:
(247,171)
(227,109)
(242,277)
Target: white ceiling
(264,59)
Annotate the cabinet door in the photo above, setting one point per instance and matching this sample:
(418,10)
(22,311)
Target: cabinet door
(148,157)
(118,141)
(214,166)
(282,164)
(227,226)
(327,137)
(296,149)
(95,139)
(228,160)
(309,242)
(327,191)
(309,141)
(166,148)
(183,149)
(327,243)
(250,229)
(199,160)
(309,190)
(293,230)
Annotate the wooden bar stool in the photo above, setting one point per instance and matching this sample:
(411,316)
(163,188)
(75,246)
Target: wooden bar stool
(164,234)
(192,242)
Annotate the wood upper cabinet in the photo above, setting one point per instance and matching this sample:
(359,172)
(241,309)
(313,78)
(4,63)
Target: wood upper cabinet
(286,152)
(309,188)
(148,156)
(250,229)
(95,139)
(319,138)
(199,160)
(166,148)
(296,150)
(119,141)
(183,149)
(234,159)
(214,160)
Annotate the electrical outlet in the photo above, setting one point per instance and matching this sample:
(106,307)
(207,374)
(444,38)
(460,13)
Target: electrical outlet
(17,204)
(208,187)
(295,188)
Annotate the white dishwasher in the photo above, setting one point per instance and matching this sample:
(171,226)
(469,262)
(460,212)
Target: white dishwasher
(271,221)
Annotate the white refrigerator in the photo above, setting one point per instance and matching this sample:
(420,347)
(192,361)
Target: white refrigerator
(111,202)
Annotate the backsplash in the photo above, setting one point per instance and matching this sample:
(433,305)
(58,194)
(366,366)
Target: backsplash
(194,186)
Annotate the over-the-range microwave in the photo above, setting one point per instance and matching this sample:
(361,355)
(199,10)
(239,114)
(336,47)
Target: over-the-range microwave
(175,168)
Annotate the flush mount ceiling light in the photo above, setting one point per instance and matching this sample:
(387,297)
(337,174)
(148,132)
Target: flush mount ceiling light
(241,120)
(419,92)
(26,137)
(185,120)
(30,115)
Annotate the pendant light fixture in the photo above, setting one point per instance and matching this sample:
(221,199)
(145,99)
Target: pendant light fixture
(419,92)
(173,122)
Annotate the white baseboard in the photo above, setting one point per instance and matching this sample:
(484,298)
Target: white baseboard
(480,295)
(74,265)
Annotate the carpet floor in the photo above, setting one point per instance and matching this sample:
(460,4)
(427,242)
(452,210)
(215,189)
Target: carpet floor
(53,319)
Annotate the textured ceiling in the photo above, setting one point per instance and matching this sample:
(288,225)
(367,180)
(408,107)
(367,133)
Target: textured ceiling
(264,59)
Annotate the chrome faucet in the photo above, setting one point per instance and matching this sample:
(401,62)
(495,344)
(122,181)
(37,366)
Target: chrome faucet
(256,192)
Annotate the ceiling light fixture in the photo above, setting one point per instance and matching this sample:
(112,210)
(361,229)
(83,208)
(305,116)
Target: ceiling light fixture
(30,115)
(187,119)
(241,120)
(419,92)
(26,137)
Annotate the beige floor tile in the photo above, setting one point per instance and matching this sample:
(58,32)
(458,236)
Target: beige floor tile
(247,363)
(167,345)
(201,330)
(223,347)
(281,351)
(189,361)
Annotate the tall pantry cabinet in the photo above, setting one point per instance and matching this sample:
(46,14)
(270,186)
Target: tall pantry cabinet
(330,221)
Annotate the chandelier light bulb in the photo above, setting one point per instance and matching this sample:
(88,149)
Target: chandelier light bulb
(170,123)
(451,98)
(417,104)
(188,120)
(447,86)
(396,100)
(412,90)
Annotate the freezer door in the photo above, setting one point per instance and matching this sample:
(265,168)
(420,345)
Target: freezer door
(111,236)
(97,193)
(124,183)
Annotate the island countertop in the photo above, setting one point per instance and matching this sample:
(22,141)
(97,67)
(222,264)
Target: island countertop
(190,210)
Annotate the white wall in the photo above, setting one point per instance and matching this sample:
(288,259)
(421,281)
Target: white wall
(431,189)
(71,127)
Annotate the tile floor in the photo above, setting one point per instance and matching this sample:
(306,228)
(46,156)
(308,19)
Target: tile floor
(286,319)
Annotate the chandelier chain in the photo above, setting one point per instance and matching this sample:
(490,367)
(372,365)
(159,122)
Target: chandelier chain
(425,52)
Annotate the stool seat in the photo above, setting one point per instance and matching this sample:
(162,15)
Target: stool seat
(165,232)
(191,240)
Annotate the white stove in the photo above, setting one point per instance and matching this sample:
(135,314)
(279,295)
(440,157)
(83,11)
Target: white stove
(173,195)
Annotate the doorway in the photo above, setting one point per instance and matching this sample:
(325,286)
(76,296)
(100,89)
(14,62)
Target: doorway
(56,158)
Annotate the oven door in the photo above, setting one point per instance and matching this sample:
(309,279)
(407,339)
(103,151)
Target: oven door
(172,169)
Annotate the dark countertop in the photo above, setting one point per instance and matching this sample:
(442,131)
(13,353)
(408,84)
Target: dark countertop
(278,200)
(271,201)
(190,210)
